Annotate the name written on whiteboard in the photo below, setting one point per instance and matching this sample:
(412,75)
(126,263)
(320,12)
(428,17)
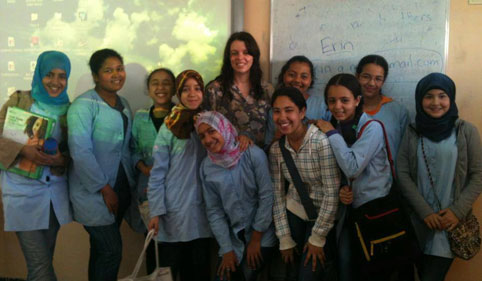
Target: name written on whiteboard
(330,46)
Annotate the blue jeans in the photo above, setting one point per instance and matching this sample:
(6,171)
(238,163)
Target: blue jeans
(105,252)
(38,247)
(106,241)
(345,254)
(300,232)
(432,268)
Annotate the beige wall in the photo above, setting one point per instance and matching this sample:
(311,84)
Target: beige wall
(464,67)
(71,252)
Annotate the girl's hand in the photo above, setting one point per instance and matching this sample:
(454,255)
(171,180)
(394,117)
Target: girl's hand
(288,255)
(433,221)
(35,154)
(110,199)
(448,219)
(253,251)
(58,160)
(244,142)
(154,224)
(346,195)
(228,265)
(324,126)
(316,254)
(141,166)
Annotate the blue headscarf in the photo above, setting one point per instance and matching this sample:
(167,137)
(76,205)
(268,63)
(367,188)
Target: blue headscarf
(435,129)
(45,63)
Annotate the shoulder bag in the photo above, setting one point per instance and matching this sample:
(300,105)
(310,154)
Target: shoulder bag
(382,227)
(464,239)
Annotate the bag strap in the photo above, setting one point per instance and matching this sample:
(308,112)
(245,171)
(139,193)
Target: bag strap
(385,137)
(298,183)
(430,174)
(149,237)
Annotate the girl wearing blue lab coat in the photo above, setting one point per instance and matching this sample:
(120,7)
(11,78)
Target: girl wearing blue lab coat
(35,208)
(146,124)
(364,163)
(101,174)
(298,72)
(239,198)
(174,190)
(372,72)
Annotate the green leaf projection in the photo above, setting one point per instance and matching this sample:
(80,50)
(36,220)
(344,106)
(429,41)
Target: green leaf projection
(177,34)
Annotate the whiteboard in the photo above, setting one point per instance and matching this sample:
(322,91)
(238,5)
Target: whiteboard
(335,34)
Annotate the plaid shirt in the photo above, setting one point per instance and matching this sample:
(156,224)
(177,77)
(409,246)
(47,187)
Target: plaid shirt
(318,169)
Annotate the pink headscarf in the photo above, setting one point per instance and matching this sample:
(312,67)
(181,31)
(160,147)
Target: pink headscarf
(230,154)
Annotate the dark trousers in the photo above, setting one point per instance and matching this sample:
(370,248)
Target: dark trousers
(106,241)
(432,268)
(189,259)
(300,232)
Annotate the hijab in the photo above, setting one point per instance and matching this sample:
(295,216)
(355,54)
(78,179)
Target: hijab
(181,119)
(435,129)
(230,153)
(45,63)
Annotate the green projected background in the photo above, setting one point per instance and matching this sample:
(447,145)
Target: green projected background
(177,34)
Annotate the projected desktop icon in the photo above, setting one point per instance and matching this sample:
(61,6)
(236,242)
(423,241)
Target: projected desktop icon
(11,41)
(10,91)
(34,40)
(58,16)
(32,65)
(82,16)
(33,16)
(11,66)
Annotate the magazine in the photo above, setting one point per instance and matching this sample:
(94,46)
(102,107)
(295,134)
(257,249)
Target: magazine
(28,128)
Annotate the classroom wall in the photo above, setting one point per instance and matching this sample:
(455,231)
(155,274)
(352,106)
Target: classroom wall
(464,66)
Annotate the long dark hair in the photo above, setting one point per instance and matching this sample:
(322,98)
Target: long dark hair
(286,66)
(292,93)
(350,82)
(29,127)
(226,78)
(375,59)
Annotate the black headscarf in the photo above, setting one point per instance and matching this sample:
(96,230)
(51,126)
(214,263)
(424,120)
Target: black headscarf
(435,129)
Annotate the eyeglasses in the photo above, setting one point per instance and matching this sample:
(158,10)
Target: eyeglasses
(365,77)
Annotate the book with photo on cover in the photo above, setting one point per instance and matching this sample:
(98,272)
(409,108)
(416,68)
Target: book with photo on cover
(30,129)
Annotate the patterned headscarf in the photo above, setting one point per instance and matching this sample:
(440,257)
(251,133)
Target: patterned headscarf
(435,129)
(180,121)
(45,63)
(230,153)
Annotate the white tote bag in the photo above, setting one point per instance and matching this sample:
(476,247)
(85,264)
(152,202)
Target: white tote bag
(160,274)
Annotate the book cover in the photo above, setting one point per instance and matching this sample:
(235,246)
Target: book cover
(28,128)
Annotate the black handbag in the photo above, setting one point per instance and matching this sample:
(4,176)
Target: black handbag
(383,229)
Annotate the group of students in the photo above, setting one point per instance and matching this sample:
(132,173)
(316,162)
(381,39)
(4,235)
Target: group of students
(213,165)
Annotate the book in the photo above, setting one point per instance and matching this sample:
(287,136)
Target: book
(31,129)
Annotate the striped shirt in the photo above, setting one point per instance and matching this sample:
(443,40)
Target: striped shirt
(319,171)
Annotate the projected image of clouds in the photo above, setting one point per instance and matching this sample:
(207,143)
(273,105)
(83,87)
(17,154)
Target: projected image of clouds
(177,34)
